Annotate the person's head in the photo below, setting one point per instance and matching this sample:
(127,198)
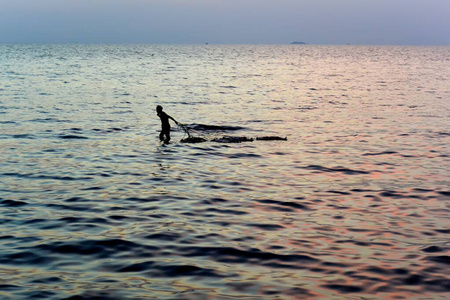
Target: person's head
(159,109)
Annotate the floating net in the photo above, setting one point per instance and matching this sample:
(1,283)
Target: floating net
(223,139)
(193,139)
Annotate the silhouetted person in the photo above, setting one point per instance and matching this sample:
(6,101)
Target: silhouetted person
(165,130)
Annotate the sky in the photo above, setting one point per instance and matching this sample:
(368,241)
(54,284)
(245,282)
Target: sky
(359,22)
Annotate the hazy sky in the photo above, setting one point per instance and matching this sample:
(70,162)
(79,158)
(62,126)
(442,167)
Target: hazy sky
(372,22)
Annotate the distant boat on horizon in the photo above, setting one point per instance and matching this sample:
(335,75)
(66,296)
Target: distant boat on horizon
(298,43)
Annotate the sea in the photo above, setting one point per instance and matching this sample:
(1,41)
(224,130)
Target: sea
(348,198)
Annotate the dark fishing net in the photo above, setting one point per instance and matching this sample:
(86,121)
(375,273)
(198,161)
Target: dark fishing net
(232,139)
(191,138)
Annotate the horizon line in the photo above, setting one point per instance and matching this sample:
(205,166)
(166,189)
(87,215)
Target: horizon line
(219,44)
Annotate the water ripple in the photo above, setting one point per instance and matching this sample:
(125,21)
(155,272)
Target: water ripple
(354,204)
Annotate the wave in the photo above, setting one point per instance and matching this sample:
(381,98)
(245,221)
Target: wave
(336,169)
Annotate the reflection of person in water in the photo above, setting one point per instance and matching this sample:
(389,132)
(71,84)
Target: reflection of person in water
(165,130)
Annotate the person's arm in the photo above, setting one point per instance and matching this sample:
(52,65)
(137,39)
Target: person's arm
(173,120)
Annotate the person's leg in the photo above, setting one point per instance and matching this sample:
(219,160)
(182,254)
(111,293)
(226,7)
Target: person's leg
(167,136)
(161,136)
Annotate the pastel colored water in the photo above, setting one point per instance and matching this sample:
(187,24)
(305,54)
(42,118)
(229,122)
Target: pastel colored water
(354,205)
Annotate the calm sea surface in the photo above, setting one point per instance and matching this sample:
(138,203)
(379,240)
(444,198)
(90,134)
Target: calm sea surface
(354,205)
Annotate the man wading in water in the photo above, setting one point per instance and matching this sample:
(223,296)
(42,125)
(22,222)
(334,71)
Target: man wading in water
(165,130)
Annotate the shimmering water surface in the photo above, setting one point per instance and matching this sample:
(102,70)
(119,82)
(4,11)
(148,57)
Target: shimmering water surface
(354,205)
